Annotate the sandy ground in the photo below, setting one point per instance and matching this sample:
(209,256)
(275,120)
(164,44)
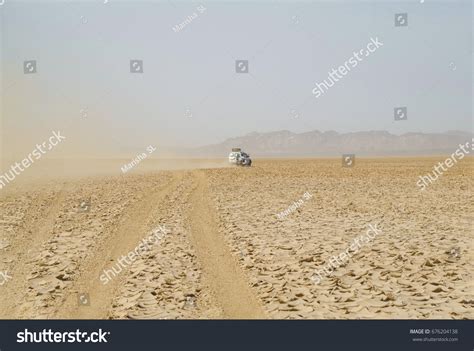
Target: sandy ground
(227,254)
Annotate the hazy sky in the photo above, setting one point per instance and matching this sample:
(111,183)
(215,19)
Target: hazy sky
(189,92)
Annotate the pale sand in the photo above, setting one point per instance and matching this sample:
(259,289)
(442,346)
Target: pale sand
(227,255)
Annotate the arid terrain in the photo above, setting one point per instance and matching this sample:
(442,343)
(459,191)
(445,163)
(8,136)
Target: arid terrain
(227,253)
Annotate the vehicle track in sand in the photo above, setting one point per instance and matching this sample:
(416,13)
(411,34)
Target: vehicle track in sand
(221,271)
(135,226)
(225,291)
(37,230)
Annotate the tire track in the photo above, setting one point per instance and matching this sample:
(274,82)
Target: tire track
(221,272)
(165,281)
(132,228)
(37,231)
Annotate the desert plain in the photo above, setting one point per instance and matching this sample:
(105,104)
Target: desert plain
(227,253)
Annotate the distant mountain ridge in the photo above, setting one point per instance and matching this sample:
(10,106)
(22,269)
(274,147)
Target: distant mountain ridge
(316,143)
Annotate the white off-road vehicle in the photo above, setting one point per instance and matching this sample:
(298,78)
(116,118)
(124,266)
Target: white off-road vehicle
(239,158)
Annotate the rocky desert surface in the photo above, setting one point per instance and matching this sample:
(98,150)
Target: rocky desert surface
(228,251)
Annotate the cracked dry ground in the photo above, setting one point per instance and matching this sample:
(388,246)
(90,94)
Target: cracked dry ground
(227,255)
(57,238)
